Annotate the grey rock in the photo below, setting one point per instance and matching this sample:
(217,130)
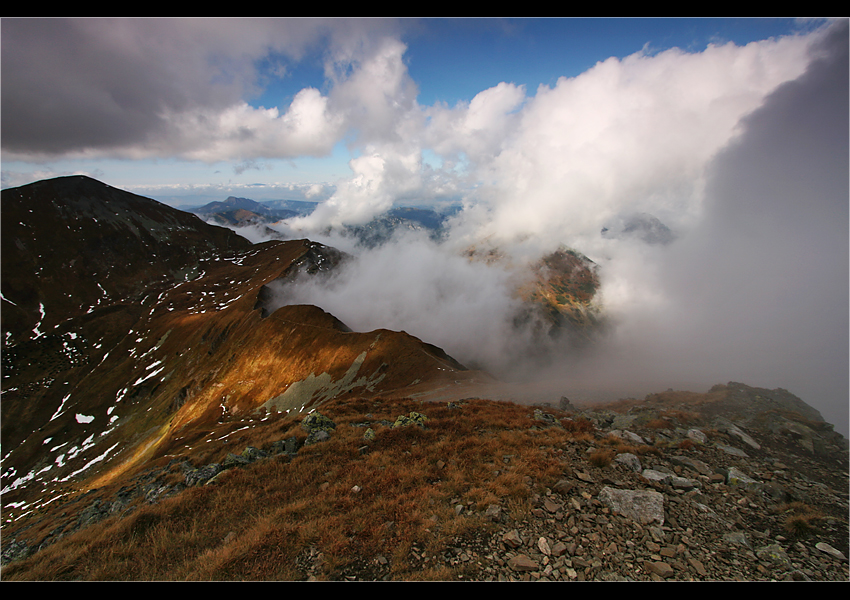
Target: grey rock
(565,405)
(726,426)
(628,436)
(833,552)
(774,553)
(203,474)
(697,436)
(734,477)
(737,538)
(629,460)
(733,451)
(643,506)
(693,464)
(654,475)
(316,436)
(234,460)
(547,418)
(623,421)
(252,453)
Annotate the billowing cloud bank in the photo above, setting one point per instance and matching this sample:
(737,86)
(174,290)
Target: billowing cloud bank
(742,151)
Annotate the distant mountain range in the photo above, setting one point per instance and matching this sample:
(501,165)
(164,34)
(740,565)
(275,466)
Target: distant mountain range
(244,211)
(241,212)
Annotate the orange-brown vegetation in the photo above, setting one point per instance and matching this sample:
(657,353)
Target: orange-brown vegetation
(800,518)
(580,425)
(686,445)
(335,504)
(620,446)
(602,458)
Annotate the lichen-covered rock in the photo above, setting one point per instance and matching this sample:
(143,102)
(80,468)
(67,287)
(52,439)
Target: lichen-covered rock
(315,421)
(774,553)
(318,428)
(736,478)
(203,474)
(415,418)
(252,453)
(697,436)
(234,460)
(316,436)
(547,418)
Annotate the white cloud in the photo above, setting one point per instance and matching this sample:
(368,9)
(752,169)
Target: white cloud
(306,129)
(630,135)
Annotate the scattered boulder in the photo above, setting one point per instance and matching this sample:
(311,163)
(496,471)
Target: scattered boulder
(734,477)
(643,506)
(522,562)
(414,418)
(318,428)
(203,474)
(547,419)
(697,436)
(630,461)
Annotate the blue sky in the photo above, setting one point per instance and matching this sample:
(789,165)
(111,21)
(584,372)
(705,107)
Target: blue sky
(448,60)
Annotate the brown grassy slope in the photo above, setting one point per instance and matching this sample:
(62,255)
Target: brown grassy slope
(220,358)
(333,510)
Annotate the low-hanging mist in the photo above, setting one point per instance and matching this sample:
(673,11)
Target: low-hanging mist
(752,179)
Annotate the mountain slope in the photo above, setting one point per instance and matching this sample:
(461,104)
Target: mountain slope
(733,484)
(127,323)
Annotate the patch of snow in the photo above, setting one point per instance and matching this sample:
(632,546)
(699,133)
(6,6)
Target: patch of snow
(92,462)
(146,377)
(6,299)
(60,410)
(37,333)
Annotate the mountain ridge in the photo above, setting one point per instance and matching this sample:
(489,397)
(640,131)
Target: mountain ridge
(189,344)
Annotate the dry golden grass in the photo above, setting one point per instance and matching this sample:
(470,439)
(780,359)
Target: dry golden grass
(578,426)
(621,446)
(332,509)
(686,444)
(602,458)
(800,518)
